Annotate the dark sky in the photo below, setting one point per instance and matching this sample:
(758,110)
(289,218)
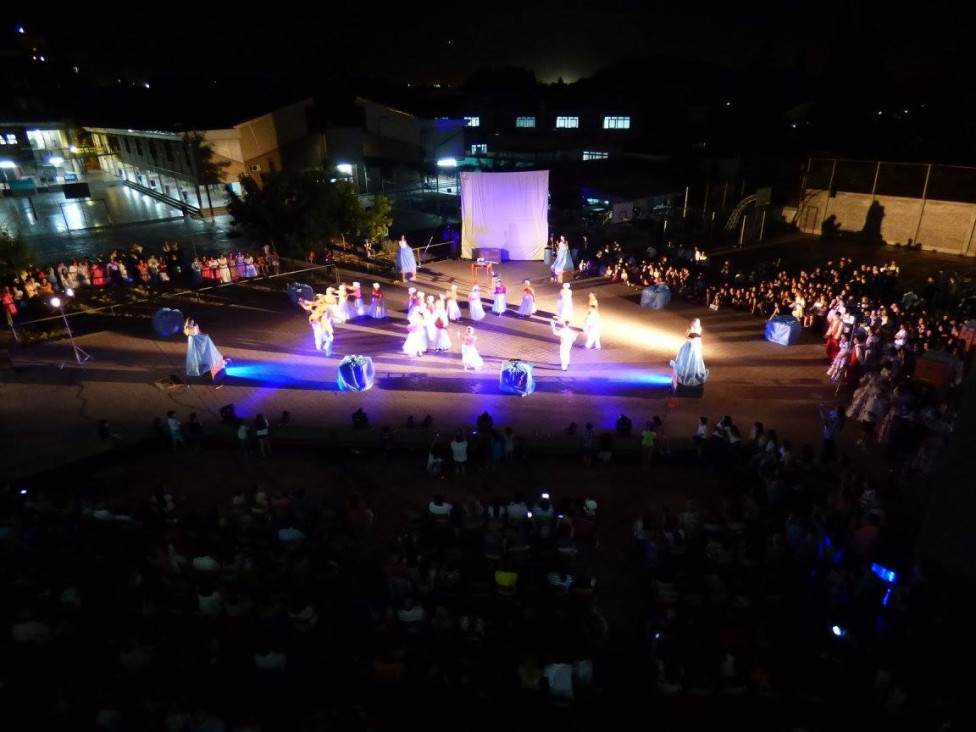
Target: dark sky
(424,43)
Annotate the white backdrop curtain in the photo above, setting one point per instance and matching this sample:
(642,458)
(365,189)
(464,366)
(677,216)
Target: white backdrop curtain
(505,211)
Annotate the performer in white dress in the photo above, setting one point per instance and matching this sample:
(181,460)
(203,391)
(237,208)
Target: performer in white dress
(442,337)
(453,309)
(527,307)
(377,303)
(567,337)
(416,341)
(412,299)
(470,358)
(591,327)
(476,308)
(430,322)
(564,303)
(343,311)
(358,304)
(499,303)
(322,330)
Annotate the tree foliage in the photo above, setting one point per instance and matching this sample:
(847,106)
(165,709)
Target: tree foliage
(210,171)
(15,255)
(302,210)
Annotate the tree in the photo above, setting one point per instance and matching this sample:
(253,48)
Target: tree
(299,210)
(16,255)
(209,171)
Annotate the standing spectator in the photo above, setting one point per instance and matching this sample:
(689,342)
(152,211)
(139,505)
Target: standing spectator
(243,437)
(459,451)
(648,440)
(700,438)
(262,431)
(176,437)
(194,431)
(588,444)
(509,437)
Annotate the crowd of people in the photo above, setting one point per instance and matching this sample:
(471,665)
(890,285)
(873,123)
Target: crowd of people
(775,595)
(25,296)
(789,593)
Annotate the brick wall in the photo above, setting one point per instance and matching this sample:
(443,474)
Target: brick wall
(942,226)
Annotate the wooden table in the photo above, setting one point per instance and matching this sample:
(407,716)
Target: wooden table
(478,267)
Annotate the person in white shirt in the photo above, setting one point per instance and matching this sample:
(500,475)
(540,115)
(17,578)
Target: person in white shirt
(567,337)
(439,507)
(459,452)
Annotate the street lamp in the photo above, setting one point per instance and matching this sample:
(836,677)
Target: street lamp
(81,355)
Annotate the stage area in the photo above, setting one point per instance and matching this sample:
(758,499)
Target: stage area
(274,367)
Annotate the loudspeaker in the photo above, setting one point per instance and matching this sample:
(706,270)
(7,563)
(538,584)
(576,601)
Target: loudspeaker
(227,415)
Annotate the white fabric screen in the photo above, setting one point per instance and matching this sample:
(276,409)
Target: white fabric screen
(505,211)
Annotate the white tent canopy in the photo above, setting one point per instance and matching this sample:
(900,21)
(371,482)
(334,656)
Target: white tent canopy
(507,212)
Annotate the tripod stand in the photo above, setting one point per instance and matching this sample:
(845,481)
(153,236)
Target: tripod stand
(81,355)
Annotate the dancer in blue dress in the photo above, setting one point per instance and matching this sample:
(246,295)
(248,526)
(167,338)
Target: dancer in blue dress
(689,365)
(527,307)
(564,260)
(406,262)
(202,356)
(475,308)
(499,303)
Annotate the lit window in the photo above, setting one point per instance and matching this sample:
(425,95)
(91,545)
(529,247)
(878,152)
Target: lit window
(616,123)
(525,122)
(567,122)
(481,149)
(592,155)
(11,138)
(472,121)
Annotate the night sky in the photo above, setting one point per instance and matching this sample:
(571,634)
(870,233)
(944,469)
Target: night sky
(424,43)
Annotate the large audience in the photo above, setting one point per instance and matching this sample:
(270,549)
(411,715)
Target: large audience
(792,598)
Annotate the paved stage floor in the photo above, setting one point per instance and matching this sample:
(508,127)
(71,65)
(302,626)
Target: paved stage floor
(52,404)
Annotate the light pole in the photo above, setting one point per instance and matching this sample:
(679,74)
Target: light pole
(81,355)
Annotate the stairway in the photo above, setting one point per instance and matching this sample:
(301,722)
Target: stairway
(737,212)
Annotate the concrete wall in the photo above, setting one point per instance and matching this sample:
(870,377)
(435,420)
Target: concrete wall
(942,226)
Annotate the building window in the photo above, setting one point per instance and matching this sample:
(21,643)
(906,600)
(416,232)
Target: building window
(125,141)
(616,123)
(526,122)
(8,139)
(592,155)
(567,122)
(138,147)
(481,149)
(472,121)
(168,146)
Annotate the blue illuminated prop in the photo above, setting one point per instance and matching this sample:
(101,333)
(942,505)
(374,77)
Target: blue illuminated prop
(784,330)
(167,322)
(516,378)
(356,373)
(888,575)
(655,297)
